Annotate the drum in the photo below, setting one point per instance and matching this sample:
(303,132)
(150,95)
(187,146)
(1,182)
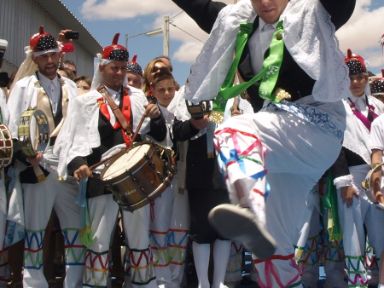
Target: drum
(139,175)
(6,146)
(33,132)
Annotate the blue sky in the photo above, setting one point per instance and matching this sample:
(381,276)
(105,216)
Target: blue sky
(103,18)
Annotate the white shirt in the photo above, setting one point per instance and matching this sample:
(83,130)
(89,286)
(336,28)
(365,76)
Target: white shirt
(115,95)
(3,108)
(52,88)
(259,43)
(360,103)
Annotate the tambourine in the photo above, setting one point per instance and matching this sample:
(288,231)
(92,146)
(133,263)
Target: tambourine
(6,146)
(33,132)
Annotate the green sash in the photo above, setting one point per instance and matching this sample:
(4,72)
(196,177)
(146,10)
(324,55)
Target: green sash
(267,76)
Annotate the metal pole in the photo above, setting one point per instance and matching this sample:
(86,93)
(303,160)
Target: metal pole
(166,36)
(126,40)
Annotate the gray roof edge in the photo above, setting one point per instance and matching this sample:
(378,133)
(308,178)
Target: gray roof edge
(70,21)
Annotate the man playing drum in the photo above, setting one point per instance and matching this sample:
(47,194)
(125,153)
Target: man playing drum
(94,130)
(41,87)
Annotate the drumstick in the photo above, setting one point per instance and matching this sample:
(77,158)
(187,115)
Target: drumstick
(138,127)
(92,167)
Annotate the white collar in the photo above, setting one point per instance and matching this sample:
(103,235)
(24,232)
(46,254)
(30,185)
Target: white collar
(266,27)
(44,80)
(115,95)
(357,99)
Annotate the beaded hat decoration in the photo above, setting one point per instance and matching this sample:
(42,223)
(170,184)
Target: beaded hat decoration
(115,52)
(355,63)
(377,85)
(43,41)
(134,67)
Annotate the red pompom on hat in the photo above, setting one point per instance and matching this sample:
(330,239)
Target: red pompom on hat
(42,41)
(115,52)
(355,63)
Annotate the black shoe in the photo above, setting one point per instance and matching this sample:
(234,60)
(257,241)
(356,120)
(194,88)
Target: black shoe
(239,224)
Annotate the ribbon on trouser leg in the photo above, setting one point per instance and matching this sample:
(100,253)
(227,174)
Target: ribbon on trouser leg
(241,158)
(370,259)
(33,249)
(159,247)
(177,245)
(271,275)
(357,275)
(96,269)
(309,254)
(334,251)
(141,270)
(86,235)
(308,257)
(74,250)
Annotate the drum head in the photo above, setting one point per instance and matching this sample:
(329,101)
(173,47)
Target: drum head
(125,162)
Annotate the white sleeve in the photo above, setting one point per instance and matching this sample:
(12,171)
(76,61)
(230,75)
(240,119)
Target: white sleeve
(376,140)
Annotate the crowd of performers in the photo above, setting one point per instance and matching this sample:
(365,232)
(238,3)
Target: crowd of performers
(273,146)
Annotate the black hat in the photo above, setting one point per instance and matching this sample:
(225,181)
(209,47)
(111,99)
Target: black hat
(134,67)
(377,85)
(115,51)
(43,41)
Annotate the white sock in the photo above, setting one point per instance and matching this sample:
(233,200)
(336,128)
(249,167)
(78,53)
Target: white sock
(201,254)
(221,252)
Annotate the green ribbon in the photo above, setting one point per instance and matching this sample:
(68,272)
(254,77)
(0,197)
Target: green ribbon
(267,76)
(329,201)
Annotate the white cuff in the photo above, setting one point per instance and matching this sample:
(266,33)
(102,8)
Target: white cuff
(343,181)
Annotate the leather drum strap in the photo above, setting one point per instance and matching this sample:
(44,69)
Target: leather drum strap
(116,110)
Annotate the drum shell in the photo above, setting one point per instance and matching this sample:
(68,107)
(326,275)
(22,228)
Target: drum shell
(140,184)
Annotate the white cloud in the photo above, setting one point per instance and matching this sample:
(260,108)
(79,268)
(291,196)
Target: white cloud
(125,9)
(362,33)
(188,52)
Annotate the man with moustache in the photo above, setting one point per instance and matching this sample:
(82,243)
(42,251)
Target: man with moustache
(102,132)
(39,86)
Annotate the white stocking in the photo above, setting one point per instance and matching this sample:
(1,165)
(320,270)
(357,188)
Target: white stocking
(221,251)
(201,258)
